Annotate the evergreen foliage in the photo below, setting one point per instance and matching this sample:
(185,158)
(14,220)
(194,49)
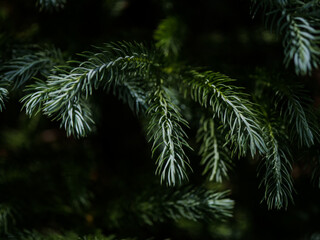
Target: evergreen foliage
(6,218)
(277,167)
(64,98)
(216,157)
(288,119)
(50,5)
(36,60)
(196,204)
(297,23)
(64,95)
(232,107)
(266,120)
(165,129)
(67,90)
(294,105)
(25,64)
(169,36)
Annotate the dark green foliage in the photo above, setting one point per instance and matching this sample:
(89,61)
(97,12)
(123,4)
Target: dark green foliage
(293,104)
(64,96)
(169,36)
(295,107)
(289,119)
(296,22)
(50,5)
(232,107)
(26,64)
(30,63)
(6,218)
(165,129)
(216,157)
(141,79)
(301,44)
(277,166)
(95,179)
(196,204)
(66,91)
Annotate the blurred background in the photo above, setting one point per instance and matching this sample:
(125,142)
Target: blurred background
(90,185)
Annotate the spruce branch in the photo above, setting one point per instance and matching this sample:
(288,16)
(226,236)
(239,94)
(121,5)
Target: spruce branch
(56,101)
(289,118)
(165,130)
(196,204)
(301,44)
(74,114)
(169,35)
(215,155)
(296,108)
(293,104)
(33,102)
(118,66)
(26,63)
(65,94)
(297,21)
(39,60)
(276,164)
(231,106)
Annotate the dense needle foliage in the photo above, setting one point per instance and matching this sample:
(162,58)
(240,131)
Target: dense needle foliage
(94,174)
